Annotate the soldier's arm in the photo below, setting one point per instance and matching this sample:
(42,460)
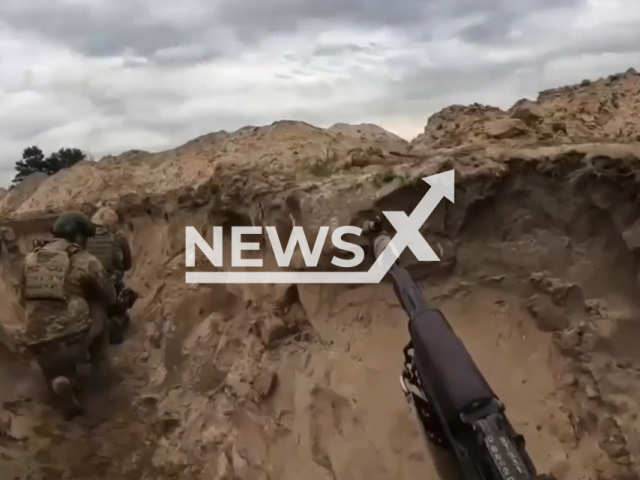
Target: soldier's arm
(127,260)
(99,286)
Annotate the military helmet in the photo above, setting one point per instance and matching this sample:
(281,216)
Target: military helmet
(105,217)
(70,225)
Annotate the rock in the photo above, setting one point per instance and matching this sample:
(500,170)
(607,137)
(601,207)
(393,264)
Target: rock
(610,439)
(559,126)
(527,111)
(238,383)
(505,128)
(617,381)
(568,341)
(272,330)
(363,157)
(562,293)
(148,400)
(547,316)
(574,300)
(265,384)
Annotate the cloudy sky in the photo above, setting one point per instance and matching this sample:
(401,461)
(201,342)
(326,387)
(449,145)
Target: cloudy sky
(112,75)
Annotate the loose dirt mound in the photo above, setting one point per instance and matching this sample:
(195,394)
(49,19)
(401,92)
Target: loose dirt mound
(539,277)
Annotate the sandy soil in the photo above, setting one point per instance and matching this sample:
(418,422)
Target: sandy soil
(539,278)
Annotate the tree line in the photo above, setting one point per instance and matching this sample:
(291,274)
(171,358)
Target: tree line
(34,161)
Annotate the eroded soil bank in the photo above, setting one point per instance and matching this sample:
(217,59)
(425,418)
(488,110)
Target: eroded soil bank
(539,277)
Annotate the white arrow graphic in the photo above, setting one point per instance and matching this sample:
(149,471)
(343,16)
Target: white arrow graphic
(408,228)
(408,235)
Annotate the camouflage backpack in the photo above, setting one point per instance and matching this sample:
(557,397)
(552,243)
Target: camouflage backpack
(105,249)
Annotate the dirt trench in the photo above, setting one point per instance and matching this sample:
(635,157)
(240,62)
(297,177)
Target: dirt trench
(539,277)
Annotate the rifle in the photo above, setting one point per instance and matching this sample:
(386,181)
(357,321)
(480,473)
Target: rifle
(460,416)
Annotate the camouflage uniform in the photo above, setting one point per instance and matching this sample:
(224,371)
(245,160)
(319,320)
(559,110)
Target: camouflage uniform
(114,252)
(64,291)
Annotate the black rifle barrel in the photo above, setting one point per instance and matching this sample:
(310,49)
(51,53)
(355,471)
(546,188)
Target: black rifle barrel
(467,412)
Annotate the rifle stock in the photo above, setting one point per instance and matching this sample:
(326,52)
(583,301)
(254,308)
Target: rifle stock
(462,419)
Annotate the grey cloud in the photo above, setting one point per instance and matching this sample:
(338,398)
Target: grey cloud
(111,104)
(187,55)
(338,50)
(104,28)
(495,8)
(428,83)
(494,28)
(25,124)
(620,39)
(199,32)
(254,19)
(487,32)
(418,91)
(420,88)
(423,91)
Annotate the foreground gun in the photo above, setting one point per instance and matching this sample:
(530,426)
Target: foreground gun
(459,414)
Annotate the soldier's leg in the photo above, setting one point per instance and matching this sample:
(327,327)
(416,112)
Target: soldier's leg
(117,278)
(58,368)
(117,327)
(98,351)
(99,344)
(127,299)
(118,319)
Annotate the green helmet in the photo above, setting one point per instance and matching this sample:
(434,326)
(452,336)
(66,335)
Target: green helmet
(71,225)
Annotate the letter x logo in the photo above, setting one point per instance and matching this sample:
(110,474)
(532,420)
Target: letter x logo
(408,227)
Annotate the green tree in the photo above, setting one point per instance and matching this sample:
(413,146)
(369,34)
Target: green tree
(64,158)
(34,161)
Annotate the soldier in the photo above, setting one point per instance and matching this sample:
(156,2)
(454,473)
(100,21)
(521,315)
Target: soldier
(65,293)
(113,250)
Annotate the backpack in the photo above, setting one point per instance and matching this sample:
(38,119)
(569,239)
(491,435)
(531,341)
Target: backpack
(103,248)
(45,272)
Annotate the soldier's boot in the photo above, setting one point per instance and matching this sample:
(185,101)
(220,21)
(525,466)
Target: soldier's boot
(126,299)
(131,298)
(65,396)
(118,325)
